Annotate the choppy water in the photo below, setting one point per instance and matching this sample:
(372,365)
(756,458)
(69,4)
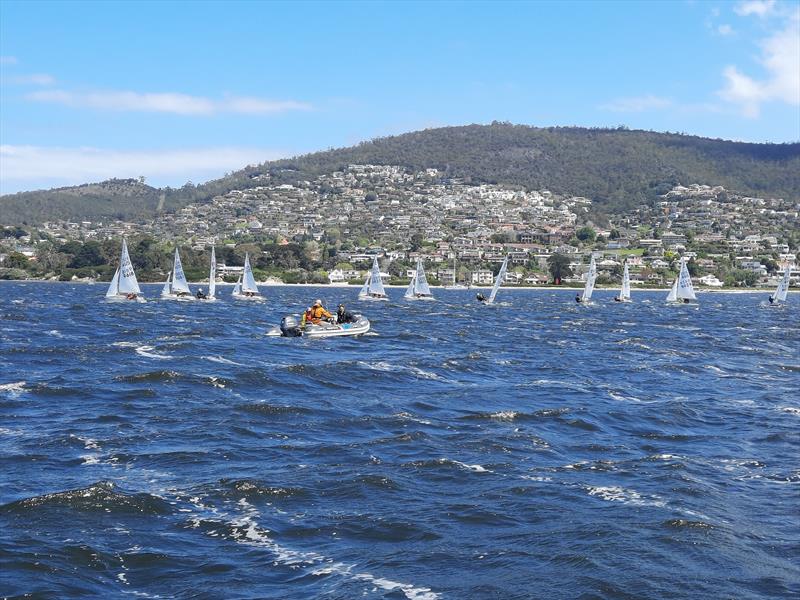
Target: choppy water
(532,450)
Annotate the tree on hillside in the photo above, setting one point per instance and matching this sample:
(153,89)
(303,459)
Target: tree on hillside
(586,234)
(558,264)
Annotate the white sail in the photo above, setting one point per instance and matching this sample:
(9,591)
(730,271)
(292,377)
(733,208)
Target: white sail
(591,276)
(179,283)
(165,289)
(126,283)
(237,289)
(782,290)
(421,287)
(412,286)
(625,292)
(375,283)
(248,282)
(365,288)
(685,289)
(673,293)
(112,288)
(212,276)
(499,280)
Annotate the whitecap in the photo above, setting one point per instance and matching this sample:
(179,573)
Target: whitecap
(222,360)
(625,496)
(13,389)
(147,351)
(474,468)
(792,410)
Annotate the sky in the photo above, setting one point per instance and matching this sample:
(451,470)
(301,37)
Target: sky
(186,91)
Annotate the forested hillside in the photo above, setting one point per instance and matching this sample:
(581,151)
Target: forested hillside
(616,168)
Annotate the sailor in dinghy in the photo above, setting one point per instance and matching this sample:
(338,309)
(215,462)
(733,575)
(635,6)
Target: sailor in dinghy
(682,291)
(373,287)
(782,290)
(246,288)
(501,277)
(591,277)
(318,323)
(418,288)
(178,288)
(124,286)
(212,281)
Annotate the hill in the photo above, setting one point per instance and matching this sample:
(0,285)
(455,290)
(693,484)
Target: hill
(617,168)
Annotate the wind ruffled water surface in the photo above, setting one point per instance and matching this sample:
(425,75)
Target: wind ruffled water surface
(533,449)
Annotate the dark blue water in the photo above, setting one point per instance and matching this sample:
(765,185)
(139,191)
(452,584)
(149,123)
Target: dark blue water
(536,449)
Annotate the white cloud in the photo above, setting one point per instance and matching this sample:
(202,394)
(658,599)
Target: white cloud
(181,104)
(34,167)
(725,29)
(760,8)
(780,57)
(33,79)
(637,104)
(8,60)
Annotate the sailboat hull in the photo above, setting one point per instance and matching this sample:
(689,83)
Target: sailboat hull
(248,298)
(415,298)
(122,298)
(373,298)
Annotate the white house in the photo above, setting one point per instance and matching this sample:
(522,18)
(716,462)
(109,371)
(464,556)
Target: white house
(710,281)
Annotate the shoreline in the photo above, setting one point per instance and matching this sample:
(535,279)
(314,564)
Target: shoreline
(268,284)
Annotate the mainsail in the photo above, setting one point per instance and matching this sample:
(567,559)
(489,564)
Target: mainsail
(248,282)
(112,288)
(685,290)
(375,283)
(625,292)
(591,276)
(783,287)
(501,276)
(126,282)
(212,276)
(179,283)
(421,287)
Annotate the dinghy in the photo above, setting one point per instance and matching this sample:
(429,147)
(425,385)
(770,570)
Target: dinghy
(212,280)
(783,289)
(373,286)
(418,289)
(625,291)
(124,285)
(293,326)
(501,276)
(246,288)
(682,291)
(178,287)
(591,277)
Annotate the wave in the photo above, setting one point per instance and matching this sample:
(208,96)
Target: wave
(102,497)
(625,496)
(147,352)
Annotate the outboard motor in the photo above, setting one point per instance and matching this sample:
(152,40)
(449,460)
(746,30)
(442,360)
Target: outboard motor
(290,326)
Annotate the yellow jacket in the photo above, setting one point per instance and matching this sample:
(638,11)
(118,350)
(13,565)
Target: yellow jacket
(316,313)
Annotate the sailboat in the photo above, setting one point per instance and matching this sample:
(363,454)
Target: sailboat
(418,289)
(124,285)
(682,291)
(178,287)
(373,286)
(246,288)
(625,291)
(783,289)
(501,276)
(212,280)
(456,285)
(591,277)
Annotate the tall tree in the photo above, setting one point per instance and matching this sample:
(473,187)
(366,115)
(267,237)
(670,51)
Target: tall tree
(558,264)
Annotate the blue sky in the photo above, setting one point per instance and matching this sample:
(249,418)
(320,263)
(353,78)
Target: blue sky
(187,91)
